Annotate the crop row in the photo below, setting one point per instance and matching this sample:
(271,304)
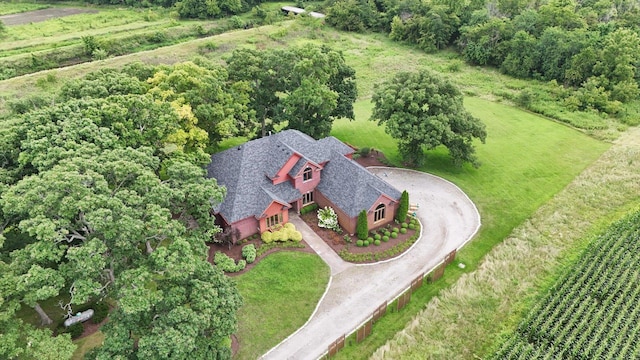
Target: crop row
(591,312)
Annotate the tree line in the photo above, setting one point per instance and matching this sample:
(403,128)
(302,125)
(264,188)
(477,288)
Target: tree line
(591,46)
(103,195)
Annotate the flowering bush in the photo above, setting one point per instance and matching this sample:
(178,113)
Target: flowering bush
(327,218)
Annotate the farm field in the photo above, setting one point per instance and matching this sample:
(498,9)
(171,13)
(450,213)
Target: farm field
(592,312)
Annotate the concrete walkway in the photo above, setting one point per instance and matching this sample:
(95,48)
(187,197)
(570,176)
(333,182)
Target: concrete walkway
(449,220)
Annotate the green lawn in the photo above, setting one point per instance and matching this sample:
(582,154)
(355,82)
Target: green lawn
(525,161)
(280,294)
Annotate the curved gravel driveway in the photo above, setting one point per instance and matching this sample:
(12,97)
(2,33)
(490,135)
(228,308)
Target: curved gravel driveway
(449,220)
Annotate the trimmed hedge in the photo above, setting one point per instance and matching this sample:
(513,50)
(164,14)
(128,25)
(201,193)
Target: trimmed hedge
(287,232)
(308,209)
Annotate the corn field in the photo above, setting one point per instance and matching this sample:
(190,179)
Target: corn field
(593,311)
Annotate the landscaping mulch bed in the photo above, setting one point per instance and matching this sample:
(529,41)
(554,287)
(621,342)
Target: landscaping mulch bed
(338,243)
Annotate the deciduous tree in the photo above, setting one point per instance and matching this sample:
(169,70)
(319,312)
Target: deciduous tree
(423,110)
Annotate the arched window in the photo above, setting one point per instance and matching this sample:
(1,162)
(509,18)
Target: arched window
(379,213)
(307,174)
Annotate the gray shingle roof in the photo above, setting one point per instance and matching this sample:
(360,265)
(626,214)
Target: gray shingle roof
(352,187)
(245,171)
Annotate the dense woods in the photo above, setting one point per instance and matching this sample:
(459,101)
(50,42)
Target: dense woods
(103,195)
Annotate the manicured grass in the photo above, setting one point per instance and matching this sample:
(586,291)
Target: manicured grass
(525,161)
(280,294)
(87,343)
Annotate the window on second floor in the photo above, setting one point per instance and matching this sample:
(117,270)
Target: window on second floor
(307,174)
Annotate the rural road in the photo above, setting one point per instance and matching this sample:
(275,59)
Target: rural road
(449,219)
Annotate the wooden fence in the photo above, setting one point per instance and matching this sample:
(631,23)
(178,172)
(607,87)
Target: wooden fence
(365,328)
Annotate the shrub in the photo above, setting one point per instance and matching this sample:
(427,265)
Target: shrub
(377,237)
(366,243)
(377,242)
(360,243)
(395,230)
(347,239)
(394,234)
(327,218)
(266,237)
(403,207)
(227,264)
(412,226)
(362,226)
(370,240)
(385,238)
(403,230)
(75,330)
(404,225)
(308,209)
(100,312)
(249,253)
(364,151)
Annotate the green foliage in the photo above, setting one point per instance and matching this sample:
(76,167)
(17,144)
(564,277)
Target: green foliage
(308,208)
(100,312)
(90,44)
(359,243)
(303,88)
(404,225)
(403,230)
(249,253)
(394,230)
(377,242)
(362,226)
(365,243)
(385,238)
(423,109)
(287,232)
(377,237)
(227,264)
(75,330)
(352,15)
(394,235)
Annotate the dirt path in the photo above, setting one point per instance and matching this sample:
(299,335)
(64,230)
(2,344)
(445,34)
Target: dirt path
(449,219)
(42,15)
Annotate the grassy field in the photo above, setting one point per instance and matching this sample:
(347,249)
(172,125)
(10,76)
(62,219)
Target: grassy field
(87,343)
(280,294)
(467,320)
(525,161)
(7,8)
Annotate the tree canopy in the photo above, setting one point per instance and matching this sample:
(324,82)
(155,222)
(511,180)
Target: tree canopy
(103,195)
(303,88)
(424,110)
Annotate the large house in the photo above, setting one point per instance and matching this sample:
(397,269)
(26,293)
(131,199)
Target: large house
(268,177)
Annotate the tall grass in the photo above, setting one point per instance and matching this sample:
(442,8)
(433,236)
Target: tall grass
(465,321)
(279,293)
(7,8)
